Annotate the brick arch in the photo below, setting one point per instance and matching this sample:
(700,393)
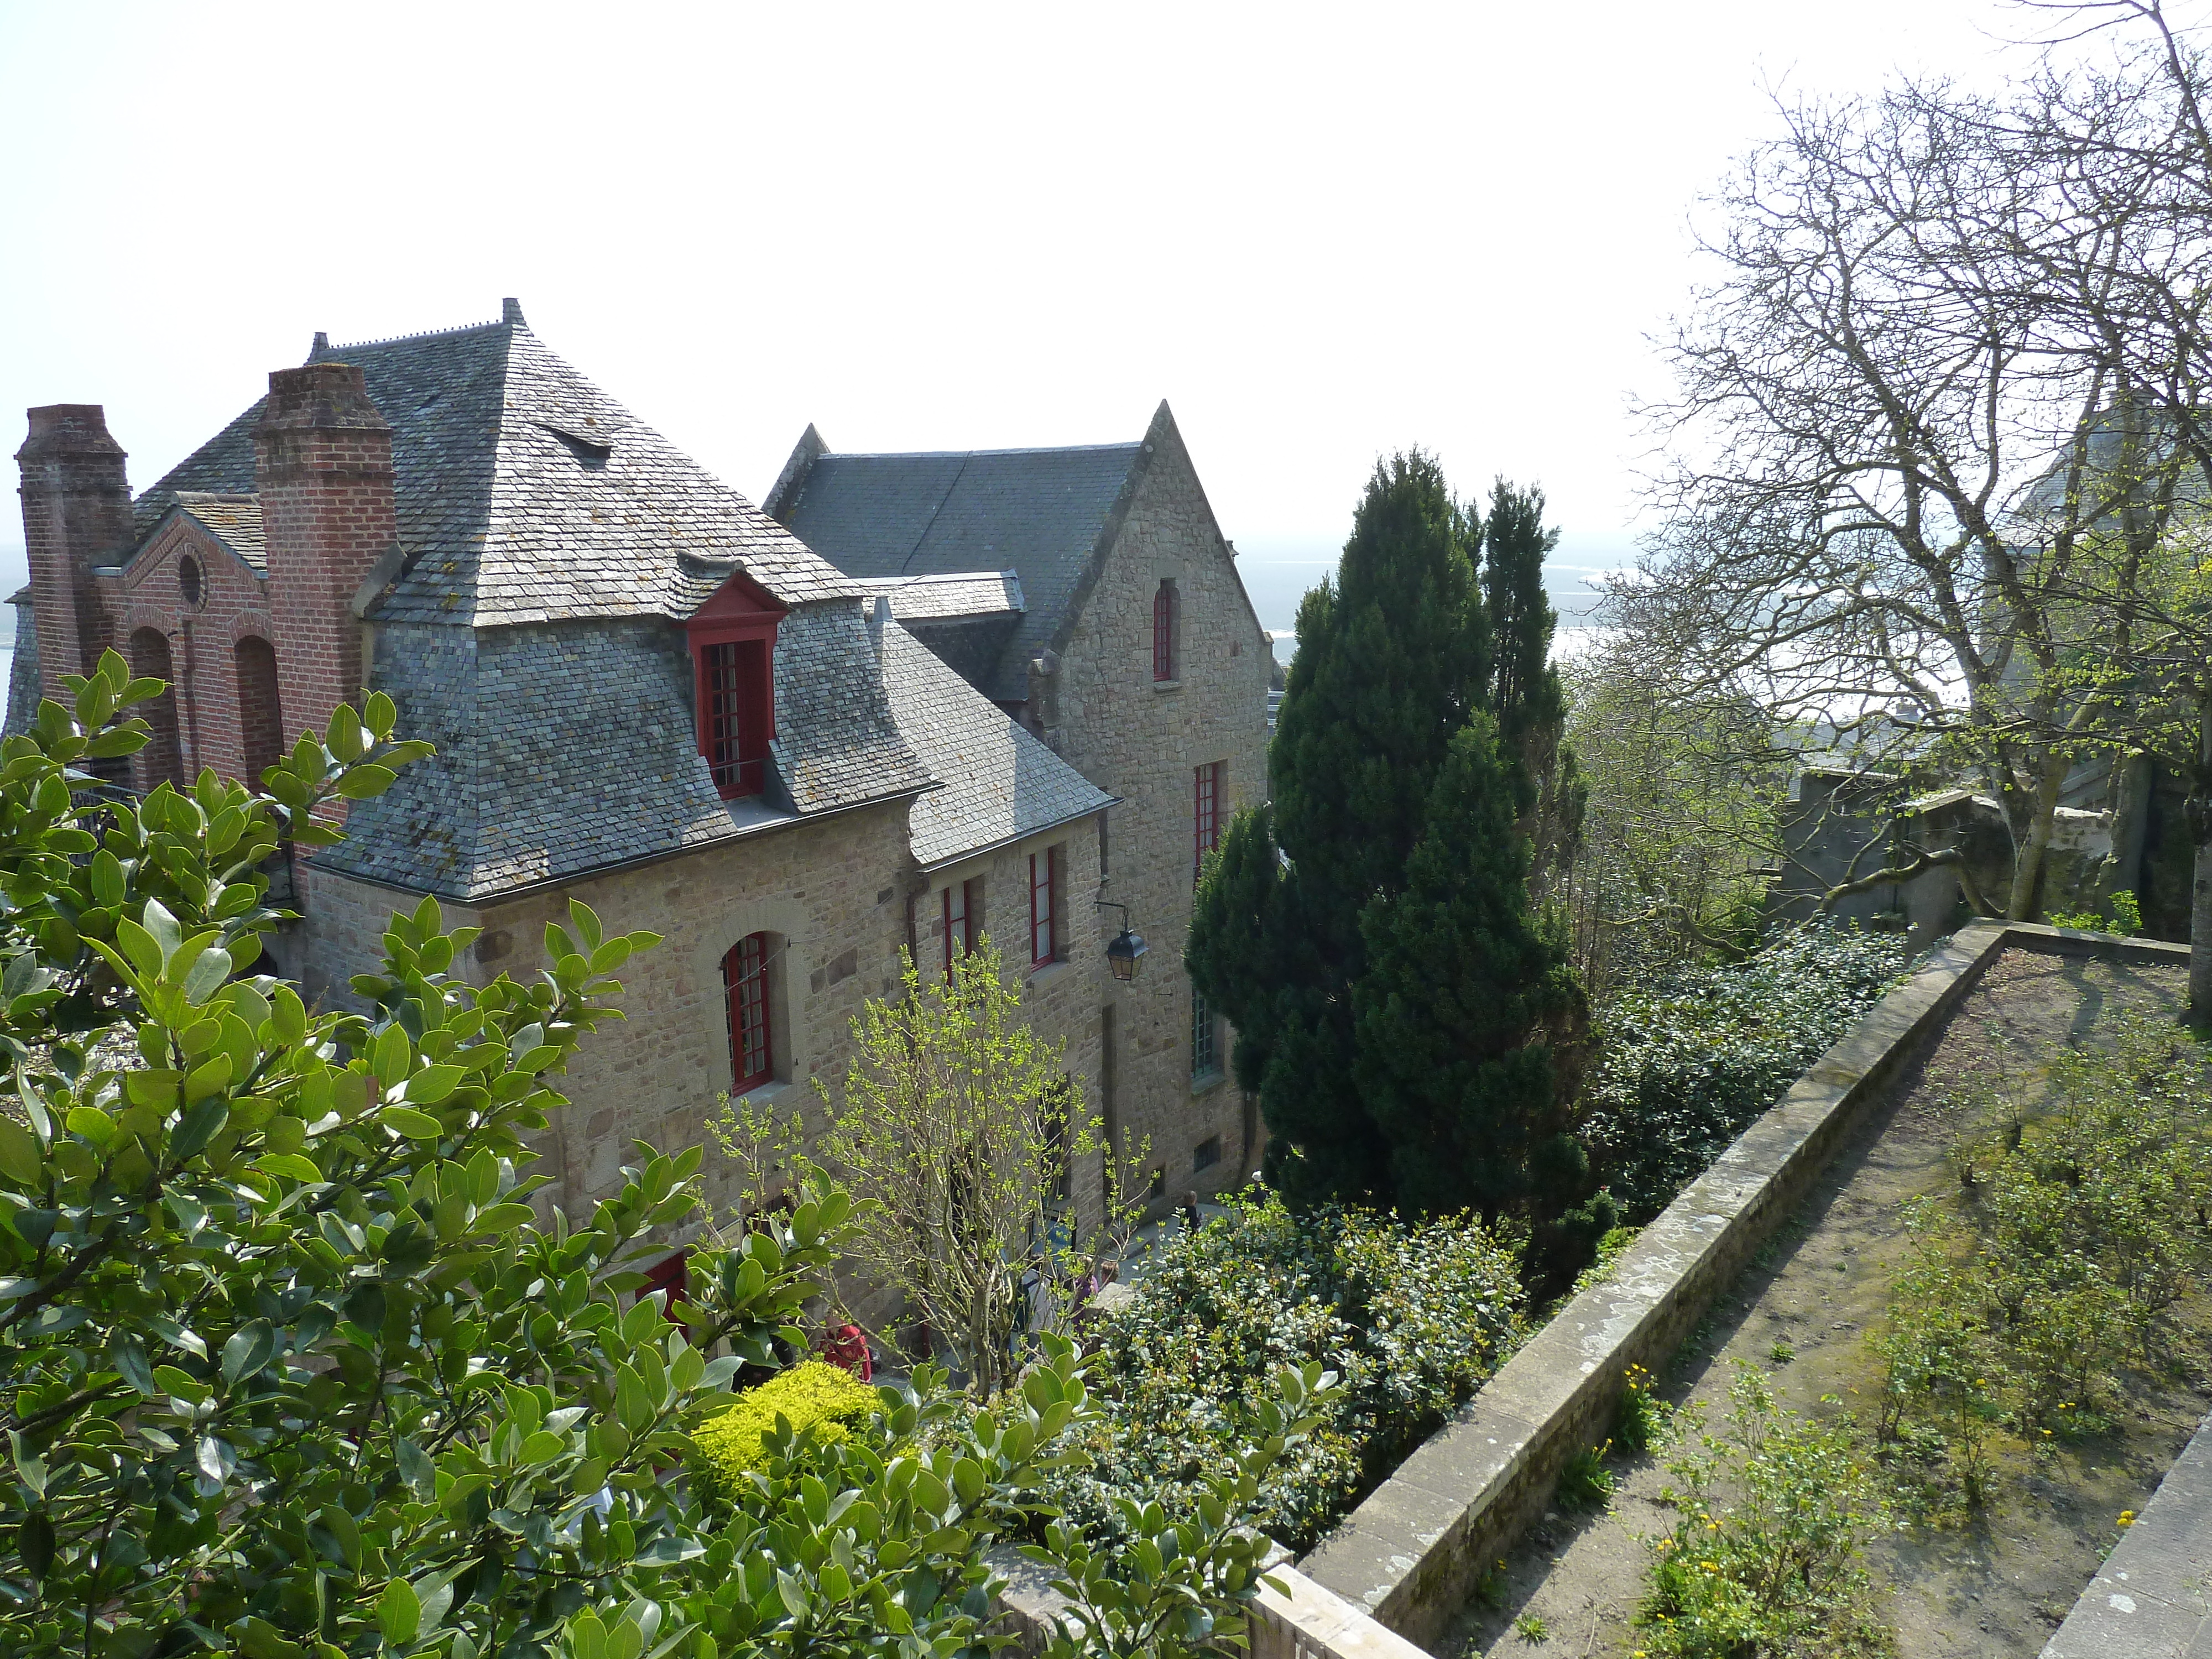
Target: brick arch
(162,760)
(142,615)
(252,623)
(260,709)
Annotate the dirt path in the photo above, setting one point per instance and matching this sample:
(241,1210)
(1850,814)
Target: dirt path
(1803,1314)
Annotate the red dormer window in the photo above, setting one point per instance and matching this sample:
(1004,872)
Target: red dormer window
(733,638)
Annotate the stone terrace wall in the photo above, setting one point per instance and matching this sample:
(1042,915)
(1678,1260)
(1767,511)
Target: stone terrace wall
(2153,1597)
(1413,1553)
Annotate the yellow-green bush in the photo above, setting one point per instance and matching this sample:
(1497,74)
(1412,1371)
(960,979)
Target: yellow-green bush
(811,1396)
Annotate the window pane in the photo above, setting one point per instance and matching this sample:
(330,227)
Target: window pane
(746,970)
(720,663)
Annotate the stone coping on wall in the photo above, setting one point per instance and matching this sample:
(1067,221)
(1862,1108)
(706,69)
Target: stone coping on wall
(1293,1618)
(1401,1565)
(2153,1597)
(1412,1554)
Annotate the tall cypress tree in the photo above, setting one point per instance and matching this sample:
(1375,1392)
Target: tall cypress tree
(1393,656)
(1461,999)
(1525,693)
(1396,817)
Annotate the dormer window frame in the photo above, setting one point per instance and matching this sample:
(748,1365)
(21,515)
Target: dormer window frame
(733,643)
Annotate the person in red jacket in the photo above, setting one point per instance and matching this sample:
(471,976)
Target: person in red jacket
(845,1345)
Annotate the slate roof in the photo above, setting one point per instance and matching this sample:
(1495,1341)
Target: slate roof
(959,596)
(554,544)
(1044,513)
(525,494)
(567,747)
(1000,784)
(234,520)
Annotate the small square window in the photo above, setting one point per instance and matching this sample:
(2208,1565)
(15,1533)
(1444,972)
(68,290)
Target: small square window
(1206,1153)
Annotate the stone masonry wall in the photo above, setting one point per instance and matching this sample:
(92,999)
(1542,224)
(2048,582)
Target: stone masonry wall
(833,895)
(1144,741)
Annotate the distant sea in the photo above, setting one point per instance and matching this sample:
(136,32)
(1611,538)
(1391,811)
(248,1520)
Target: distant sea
(1276,588)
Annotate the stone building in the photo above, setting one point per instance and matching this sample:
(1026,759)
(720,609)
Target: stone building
(645,693)
(1090,593)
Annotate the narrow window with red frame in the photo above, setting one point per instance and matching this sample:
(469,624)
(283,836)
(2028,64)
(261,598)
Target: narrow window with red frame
(1044,940)
(1205,816)
(1163,602)
(733,673)
(956,936)
(732,640)
(744,972)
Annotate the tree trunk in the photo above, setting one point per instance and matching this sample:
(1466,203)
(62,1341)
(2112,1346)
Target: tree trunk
(2200,896)
(2028,864)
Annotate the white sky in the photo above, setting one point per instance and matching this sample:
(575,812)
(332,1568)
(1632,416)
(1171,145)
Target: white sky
(1320,232)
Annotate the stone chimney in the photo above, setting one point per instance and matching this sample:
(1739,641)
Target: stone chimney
(323,465)
(76,517)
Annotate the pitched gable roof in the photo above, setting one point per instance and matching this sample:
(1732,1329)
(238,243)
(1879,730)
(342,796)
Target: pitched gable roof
(524,494)
(234,520)
(1045,514)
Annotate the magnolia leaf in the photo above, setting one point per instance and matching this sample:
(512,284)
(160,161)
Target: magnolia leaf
(399,1612)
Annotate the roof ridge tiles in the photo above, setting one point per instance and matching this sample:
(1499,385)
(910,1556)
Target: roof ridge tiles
(958,454)
(424,334)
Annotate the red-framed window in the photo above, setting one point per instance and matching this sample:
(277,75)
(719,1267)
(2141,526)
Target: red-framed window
(732,639)
(963,905)
(1044,907)
(1206,816)
(1163,605)
(744,973)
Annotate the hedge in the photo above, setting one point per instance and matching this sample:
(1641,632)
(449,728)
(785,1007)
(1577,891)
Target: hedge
(1684,1068)
(1413,1317)
(812,1395)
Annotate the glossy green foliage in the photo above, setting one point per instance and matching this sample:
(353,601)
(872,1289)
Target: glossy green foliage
(814,1400)
(1413,1316)
(1686,1066)
(299,1363)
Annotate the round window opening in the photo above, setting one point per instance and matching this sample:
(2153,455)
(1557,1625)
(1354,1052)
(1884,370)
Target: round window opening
(188,578)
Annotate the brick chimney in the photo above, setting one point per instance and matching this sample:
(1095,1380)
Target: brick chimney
(76,516)
(323,466)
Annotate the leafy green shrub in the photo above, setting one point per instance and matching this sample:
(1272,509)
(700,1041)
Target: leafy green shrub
(1412,1317)
(1643,1418)
(2066,1256)
(292,1370)
(815,1398)
(2125,920)
(1585,1482)
(1763,1560)
(1684,1068)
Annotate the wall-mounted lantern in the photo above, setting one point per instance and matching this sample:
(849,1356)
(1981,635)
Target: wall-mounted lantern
(1122,952)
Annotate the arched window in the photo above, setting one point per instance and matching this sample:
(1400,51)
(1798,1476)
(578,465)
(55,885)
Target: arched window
(162,760)
(752,1047)
(260,719)
(1163,631)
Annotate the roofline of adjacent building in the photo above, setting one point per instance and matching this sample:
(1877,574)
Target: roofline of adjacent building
(525,889)
(1004,841)
(960,454)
